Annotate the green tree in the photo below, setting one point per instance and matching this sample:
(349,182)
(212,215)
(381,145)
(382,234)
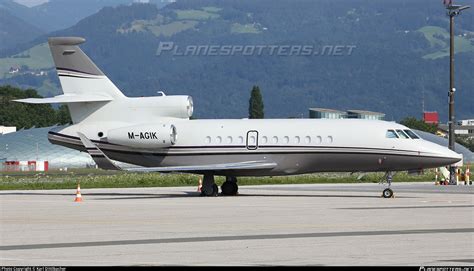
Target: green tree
(466,141)
(256,104)
(417,124)
(62,115)
(23,115)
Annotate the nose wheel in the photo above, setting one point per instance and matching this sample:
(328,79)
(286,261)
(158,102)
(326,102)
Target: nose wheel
(387,178)
(387,193)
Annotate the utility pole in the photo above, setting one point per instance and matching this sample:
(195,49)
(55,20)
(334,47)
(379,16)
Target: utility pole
(452,11)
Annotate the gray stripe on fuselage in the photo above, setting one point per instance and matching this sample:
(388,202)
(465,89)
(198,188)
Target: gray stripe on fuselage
(190,150)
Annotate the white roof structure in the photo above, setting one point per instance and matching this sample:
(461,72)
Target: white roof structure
(33,145)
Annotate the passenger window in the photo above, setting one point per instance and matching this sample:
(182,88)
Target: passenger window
(330,139)
(218,140)
(402,134)
(241,140)
(264,140)
(297,140)
(319,139)
(286,140)
(229,140)
(391,134)
(307,139)
(275,140)
(411,134)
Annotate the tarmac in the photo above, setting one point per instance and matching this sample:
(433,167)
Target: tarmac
(321,224)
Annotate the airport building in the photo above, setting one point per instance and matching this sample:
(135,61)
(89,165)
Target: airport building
(363,114)
(7,129)
(29,149)
(431,117)
(462,127)
(324,113)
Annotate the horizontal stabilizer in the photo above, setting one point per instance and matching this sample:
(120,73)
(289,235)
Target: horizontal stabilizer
(211,167)
(67,98)
(97,155)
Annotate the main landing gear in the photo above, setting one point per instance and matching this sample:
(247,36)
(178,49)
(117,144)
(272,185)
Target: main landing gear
(210,189)
(387,192)
(230,187)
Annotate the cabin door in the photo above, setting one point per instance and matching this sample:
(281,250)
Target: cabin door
(252,140)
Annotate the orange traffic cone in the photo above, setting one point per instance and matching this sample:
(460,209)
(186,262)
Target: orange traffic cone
(466,176)
(200,185)
(78,194)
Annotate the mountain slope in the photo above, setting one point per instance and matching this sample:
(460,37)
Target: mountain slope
(387,70)
(60,14)
(14,30)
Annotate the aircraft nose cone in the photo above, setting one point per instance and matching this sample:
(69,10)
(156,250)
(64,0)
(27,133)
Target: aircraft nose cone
(448,156)
(453,157)
(438,156)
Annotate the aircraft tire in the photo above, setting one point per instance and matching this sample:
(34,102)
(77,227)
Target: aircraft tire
(387,193)
(229,188)
(214,192)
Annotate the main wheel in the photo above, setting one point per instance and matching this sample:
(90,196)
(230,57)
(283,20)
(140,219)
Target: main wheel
(213,192)
(387,193)
(229,188)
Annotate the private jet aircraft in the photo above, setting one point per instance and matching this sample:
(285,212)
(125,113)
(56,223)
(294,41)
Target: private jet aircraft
(157,135)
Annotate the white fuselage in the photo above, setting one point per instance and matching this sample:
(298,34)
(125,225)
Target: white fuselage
(296,145)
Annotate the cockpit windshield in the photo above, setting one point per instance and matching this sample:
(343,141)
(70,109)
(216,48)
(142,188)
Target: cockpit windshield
(402,134)
(412,134)
(398,133)
(391,134)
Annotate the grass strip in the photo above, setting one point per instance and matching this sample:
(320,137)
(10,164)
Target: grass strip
(104,179)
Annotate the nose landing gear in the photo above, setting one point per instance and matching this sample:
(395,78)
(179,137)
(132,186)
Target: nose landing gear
(387,192)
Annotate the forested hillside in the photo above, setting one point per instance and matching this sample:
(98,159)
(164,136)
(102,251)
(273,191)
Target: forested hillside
(398,56)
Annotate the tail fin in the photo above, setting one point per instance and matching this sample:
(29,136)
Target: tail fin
(86,89)
(77,73)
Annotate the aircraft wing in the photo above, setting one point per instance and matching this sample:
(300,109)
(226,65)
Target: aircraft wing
(97,155)
(211,167)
